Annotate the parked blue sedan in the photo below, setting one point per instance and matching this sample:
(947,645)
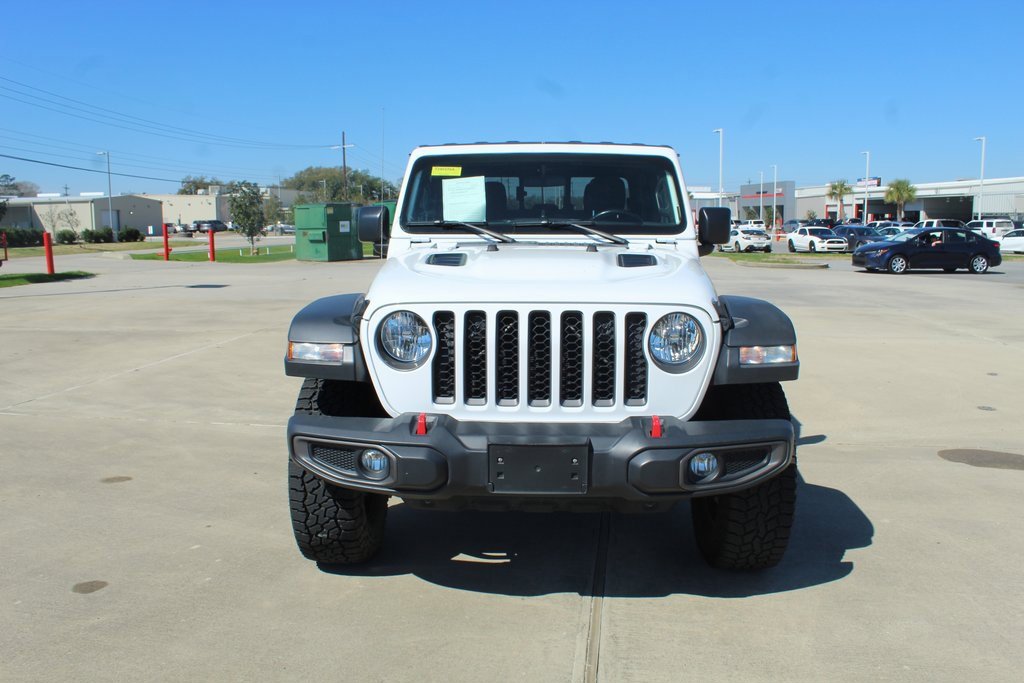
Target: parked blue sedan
(944,248)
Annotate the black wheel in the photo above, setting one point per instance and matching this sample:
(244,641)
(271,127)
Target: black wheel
(811,247)
(332,525)
(978,264)
(748,529)
(792,247)
(736,247)
(897,264)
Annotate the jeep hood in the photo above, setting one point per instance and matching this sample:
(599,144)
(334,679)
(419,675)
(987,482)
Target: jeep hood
(541,274)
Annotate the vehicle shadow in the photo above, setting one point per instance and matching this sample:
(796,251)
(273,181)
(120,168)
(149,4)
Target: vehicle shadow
(648,555)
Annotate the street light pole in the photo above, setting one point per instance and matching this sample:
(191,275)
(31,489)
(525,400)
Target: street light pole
(721,187)
(867,179)
(981,187)
(110,203)
(760,199)
(775,192)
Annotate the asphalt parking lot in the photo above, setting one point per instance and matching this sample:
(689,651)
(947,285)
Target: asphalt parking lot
(145,534)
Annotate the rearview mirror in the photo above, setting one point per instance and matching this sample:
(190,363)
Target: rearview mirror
(713,226)
(374,224)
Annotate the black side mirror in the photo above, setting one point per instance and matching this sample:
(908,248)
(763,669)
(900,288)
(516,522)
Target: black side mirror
(713,226)
(374,224)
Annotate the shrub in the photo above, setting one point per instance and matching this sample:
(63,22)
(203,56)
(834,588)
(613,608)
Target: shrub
(23,237)
(105,234)
(130,235)
(66,237)
(89,236)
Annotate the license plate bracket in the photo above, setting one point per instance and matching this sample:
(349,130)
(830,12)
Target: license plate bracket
(538,469)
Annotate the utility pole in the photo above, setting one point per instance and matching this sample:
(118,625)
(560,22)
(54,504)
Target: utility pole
(344,168)
(775,192)
(760,199)
(110,203)
(65,189)
(721,137)
(981,187)
(867,180)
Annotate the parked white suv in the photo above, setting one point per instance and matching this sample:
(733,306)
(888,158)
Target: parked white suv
(992,228)
(542,336)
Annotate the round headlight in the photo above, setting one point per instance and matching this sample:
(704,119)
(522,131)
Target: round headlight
(677,341)
(405,338)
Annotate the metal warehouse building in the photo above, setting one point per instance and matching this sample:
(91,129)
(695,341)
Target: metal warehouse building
(82,213)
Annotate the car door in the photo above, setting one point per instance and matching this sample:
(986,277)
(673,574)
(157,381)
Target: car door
(923,250)
(801,239)
(956,249)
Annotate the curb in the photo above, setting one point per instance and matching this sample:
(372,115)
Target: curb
(791,266)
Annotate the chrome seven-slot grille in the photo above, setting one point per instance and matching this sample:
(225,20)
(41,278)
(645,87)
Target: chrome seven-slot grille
(557,347)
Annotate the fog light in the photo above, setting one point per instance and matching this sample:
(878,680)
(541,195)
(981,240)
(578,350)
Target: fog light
(703,466)
(375,464)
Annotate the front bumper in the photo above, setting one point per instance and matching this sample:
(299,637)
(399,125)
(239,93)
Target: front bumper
(458,464)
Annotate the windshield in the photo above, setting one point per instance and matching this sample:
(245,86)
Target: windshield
(821,232)
(905,235)
(514,193)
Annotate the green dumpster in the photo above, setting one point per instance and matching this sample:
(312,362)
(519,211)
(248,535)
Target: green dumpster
(326,232)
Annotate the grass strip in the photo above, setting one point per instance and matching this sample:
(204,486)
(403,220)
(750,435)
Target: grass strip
(236,255)
(81,249)
(17,279)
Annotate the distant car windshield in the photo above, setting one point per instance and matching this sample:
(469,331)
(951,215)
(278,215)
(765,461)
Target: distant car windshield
(627,194)
(821,232)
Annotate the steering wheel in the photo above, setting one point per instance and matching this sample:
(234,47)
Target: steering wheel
(619,215)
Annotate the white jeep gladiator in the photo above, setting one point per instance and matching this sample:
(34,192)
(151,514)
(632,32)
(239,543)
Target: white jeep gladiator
(542,336)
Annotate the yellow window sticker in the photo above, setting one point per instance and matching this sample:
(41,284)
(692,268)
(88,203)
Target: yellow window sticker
(449,171)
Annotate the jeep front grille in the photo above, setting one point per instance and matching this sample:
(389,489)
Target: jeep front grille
(617,361)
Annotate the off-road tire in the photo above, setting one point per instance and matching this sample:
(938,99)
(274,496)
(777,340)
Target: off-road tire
(749,529)
(332,525)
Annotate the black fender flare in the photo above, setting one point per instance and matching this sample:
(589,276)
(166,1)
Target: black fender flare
(330,320)
(752,322)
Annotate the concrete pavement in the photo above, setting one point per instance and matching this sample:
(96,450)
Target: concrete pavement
(145,535)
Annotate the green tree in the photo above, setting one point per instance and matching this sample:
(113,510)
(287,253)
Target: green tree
(192,184)
(3,208)
(837,190)
(899,192)
(272,210)
(246,204)
(811,214)
(328,183)
(8,185)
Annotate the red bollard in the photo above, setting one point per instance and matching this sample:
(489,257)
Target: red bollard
(213,252)
(48,248)
(167,247)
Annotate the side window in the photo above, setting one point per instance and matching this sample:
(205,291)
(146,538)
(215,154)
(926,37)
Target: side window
(956,236)
(802,231)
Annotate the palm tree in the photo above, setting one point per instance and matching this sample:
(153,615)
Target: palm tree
(838,189)
(899,192)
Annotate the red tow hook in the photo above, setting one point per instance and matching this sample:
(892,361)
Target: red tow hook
(655,427)
(421,425)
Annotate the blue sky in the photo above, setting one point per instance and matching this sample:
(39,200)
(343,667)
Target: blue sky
(804,85)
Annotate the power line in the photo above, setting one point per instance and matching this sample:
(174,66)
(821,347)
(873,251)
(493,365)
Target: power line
(148,123)
(88,170)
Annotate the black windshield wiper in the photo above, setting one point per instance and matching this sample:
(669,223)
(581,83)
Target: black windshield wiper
(478,229)
(580,227)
